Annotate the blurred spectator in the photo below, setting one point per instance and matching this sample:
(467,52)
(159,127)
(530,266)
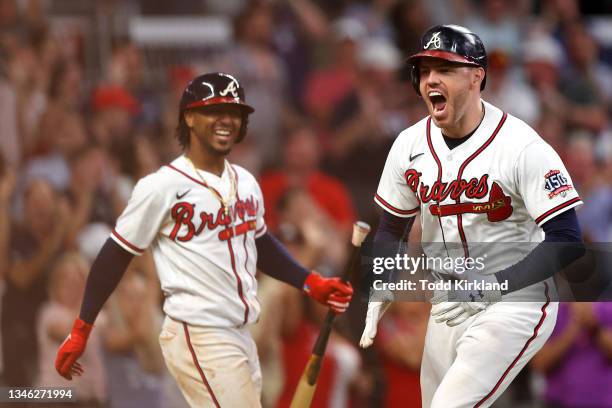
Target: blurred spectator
(576,358)
(263,75)
(309,232)
(410,19)
(7,185)
(10,143)
(587,83)
(543,57)
(27,78)
(64,96)
(66,287)
(496,25)
(114,110)
(92,197)
(301,156)
(133,358)
(401,340)
(555,13)
(552,130)
(508,91)
(328,86)
(374,15)
(127,163)
(35,243)
(445,11)
(126,71)
(366,122)
(580,163)
(299,26)
(66,137)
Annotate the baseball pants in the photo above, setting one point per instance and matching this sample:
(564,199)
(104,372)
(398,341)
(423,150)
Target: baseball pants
(213,366)
(472,364)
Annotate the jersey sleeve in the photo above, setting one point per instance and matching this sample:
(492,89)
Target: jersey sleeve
(544,183)
(393,193)
(140,222)
(261,227)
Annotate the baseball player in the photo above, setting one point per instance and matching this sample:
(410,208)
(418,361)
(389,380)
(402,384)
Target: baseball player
(203,219)
(476,174)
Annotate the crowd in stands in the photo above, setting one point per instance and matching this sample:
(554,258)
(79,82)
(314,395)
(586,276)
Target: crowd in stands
(331,93)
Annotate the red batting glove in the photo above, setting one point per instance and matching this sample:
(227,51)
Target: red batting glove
(331,292)
(71,349)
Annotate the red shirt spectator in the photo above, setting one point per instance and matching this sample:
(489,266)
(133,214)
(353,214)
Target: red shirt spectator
(301,157)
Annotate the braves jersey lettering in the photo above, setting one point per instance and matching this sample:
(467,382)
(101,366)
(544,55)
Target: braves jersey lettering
(472,188)
(504,173)
(183,214)
(206,259)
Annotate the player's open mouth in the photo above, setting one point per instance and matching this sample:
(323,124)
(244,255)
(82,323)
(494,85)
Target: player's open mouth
(438,101)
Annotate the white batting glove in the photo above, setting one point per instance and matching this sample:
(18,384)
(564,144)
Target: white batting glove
(455,313)
(456,306)
(376,309)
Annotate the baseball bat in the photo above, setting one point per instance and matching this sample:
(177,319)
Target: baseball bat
(308,381)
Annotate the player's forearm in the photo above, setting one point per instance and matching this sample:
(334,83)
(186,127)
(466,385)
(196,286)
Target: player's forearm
(274,260)
(561,246)
(392,228)
(106,272)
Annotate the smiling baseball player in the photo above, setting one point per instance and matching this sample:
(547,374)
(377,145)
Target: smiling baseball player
(476,174)
(202,217)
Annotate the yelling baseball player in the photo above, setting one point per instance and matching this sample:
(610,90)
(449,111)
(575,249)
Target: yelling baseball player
(476,174)
(203,219)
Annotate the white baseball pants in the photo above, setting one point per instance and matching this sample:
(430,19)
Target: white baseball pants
(213,366)
(472,364)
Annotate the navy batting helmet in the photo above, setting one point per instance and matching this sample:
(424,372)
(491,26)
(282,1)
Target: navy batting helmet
(210,89)
(452,43)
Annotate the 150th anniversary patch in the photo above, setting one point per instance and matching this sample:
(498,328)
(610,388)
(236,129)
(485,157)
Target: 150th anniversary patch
(556,183)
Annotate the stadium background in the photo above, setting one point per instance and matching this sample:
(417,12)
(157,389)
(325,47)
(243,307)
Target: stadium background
(88,104)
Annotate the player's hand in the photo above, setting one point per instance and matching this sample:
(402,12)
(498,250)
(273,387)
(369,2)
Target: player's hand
(455,313)
(455,306)
(331,292)
(376,309)
(71,349)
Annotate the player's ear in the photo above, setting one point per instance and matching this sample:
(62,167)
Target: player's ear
(478,75)
(189,118)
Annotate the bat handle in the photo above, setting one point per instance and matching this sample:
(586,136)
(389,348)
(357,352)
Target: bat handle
(319,347)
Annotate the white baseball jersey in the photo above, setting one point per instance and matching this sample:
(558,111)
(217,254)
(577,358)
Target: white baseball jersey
(500,185)
(206,261)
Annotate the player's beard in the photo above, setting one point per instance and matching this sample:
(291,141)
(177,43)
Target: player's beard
(218,151)
(216,146)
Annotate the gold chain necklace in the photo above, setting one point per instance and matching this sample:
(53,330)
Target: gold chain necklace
(232,195)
